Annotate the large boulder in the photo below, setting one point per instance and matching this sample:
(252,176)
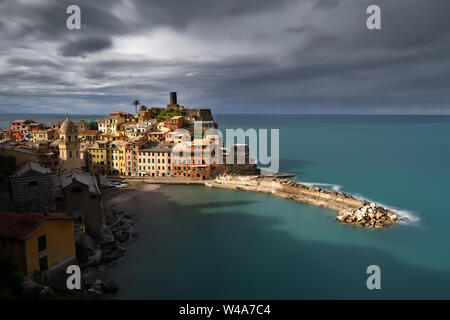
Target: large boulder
(122,236)
(85,246)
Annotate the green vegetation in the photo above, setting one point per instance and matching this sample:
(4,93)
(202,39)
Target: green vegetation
(135,103)
(93,124)
(166,115)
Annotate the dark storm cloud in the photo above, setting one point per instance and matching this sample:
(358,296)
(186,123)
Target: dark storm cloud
(178,14)
(283,56)
(30,62)
(326,3)
(81,47)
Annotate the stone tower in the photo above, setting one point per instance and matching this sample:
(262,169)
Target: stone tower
(69,147)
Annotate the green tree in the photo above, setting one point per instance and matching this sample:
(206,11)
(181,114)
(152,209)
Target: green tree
(136,103)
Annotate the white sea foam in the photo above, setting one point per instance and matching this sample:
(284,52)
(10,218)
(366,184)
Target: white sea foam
(334,187)
(402,212)
(405,213)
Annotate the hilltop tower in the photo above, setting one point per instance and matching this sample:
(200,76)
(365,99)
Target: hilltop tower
(173,105)
(69,147)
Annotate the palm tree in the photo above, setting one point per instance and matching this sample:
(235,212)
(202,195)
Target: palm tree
(136,103)
(142,107)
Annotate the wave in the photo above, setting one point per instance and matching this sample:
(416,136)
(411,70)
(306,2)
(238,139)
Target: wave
(336,187)
(404,213)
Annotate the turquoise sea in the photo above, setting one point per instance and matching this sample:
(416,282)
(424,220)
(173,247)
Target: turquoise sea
(200,243)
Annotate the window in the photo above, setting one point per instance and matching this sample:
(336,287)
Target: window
(43,264)
(42,243)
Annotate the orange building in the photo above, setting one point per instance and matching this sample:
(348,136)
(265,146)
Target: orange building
(143,115)
(37,242)
(174,123)
(188,160)
(90,136)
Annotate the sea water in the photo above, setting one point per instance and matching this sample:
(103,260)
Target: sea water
(201,243)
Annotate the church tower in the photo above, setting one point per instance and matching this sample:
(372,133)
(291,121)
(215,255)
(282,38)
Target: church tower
(69,147)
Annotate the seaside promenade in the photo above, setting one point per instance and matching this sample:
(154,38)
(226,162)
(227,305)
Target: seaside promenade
(164,180)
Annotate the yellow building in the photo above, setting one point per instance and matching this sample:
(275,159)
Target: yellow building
(104,137)
(21,154)
(97,157)
(113,123)
(43,135)
(37,242)
(116,157)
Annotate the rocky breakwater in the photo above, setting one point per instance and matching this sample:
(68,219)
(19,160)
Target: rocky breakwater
(350,210)
(370,215)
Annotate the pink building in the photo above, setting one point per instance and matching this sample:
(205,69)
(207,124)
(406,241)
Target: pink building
(155,161)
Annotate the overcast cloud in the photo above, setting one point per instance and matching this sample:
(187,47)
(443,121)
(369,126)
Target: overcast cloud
(234,56)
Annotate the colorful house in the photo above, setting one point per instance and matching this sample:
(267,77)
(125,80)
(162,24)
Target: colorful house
(97,157)
(37,242)
(155,161)
(143,115)
(174,123)
(90,136)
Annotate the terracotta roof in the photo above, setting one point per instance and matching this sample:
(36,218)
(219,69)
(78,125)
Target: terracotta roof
(22,225)
(90,132)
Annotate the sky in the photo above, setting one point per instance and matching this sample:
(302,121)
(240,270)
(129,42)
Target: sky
(233,56)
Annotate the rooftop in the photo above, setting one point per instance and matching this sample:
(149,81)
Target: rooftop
(82,177)
(90,132)
(28,166)
(21,226)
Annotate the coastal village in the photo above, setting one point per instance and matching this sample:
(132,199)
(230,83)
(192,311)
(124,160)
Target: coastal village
(56,182)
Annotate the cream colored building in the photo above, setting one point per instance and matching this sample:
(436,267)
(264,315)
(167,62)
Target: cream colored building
(69,146)
(43,135)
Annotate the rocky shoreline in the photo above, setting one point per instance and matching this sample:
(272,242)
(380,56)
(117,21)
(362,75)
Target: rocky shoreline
(96,254)
(350,210)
